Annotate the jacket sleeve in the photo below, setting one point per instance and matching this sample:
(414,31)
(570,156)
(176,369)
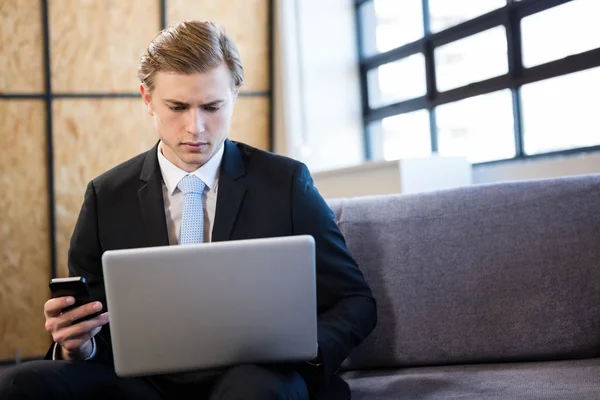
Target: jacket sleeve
(85,260)
(346,311)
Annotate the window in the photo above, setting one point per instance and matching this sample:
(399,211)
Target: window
(397,81)
(390,24)
(472,59)
(562,113)
(561,31)
(444,14)
(480,127)
(402,136)
(486,79)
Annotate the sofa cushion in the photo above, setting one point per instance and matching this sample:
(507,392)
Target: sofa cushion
(565,380)
(487,273)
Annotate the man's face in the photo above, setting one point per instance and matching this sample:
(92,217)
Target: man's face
(192,114)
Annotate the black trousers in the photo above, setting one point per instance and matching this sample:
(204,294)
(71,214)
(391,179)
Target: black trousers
(89,380)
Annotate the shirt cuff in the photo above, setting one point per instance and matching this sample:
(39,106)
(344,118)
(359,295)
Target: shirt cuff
(89,358)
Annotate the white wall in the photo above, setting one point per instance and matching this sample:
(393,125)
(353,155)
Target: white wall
(388,177)
(556,166)
(372,178)
(413,175)
(317,86)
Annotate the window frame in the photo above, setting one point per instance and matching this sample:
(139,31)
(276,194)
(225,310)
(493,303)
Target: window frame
(510,17)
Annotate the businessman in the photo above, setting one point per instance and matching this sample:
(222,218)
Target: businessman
(190,77)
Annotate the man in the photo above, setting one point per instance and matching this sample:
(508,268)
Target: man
(190,78)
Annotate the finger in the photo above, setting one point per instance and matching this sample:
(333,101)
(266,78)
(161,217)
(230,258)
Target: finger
(53,307)
(76,343)
(83,330)
(71,316)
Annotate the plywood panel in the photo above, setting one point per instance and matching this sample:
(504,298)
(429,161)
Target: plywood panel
(24,231)
(96,45)
(246,21)
(90,137)
(250,122)
(21,46)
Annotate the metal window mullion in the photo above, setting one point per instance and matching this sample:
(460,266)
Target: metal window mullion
(163,13)
(49,138)
(364,89)
(515,71)
(430,78)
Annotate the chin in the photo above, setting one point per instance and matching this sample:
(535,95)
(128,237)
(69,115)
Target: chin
(194,158)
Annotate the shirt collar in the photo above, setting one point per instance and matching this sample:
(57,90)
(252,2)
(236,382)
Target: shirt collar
(208,173)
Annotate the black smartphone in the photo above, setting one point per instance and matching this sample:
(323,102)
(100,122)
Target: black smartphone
(75,287)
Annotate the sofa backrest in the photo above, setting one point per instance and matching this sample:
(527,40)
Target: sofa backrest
(485,273)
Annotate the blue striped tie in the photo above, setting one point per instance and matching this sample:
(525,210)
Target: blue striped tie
(192,218)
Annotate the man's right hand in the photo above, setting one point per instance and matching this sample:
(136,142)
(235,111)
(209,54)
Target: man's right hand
(74,340)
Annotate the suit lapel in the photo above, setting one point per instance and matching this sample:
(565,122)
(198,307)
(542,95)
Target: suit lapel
(151,201)
(230,192)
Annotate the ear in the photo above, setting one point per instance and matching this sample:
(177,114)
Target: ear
(236,92)
(147,97)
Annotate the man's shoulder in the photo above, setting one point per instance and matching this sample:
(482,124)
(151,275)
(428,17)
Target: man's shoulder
(122,174)
(257,160)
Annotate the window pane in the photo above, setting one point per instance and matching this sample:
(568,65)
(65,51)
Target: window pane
(387,24)
(480,128)
(446,13)
(472,59)
(397,81)
(562,113)
(560,31)
(401,136)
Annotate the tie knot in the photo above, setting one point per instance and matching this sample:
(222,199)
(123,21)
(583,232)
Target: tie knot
(191,184)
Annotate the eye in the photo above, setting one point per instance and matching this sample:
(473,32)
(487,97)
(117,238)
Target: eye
(177,108)
(211,109)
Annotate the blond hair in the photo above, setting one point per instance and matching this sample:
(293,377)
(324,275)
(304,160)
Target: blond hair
(190,47)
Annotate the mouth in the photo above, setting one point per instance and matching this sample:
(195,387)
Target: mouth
(195,146)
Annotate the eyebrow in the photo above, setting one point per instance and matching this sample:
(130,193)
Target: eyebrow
(182,104)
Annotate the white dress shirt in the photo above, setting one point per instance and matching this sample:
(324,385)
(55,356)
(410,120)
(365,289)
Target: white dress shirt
(173,200)
(173,197)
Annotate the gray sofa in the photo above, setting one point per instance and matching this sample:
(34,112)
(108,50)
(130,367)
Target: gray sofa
(484,292)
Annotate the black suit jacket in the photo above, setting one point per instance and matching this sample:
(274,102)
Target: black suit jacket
(260,195)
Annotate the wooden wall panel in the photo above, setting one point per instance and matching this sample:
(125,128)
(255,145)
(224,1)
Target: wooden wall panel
(21,46)
(90,137)
(25,229)
(250,122)
(96,45)
(247,23)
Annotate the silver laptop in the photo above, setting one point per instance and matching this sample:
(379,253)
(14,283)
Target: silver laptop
(211,306)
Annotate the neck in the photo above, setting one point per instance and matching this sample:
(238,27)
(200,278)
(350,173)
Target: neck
(172,157)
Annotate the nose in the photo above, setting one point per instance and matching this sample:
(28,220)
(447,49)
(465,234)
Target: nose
(195,121)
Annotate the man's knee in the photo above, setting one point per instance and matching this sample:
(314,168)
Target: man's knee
(24,381)
(254,382)
(244,372)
